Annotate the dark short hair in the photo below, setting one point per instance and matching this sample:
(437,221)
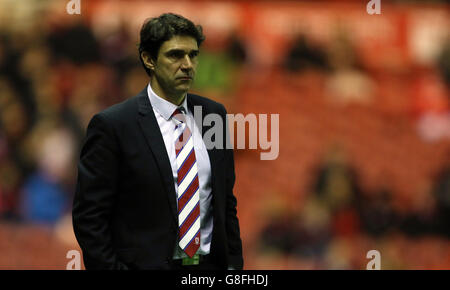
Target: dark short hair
(157,30)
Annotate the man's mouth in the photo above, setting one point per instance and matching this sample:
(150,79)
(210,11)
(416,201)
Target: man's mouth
(186,78)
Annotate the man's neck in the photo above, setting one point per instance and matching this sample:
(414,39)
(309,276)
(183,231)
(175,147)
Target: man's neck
(175,99)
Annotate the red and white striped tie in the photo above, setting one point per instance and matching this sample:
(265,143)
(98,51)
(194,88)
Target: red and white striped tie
(188,188)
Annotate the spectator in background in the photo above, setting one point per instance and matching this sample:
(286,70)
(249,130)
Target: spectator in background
(14,120)
(348,83)
(219,64)
(336,181)
(376,211)
(45,197)
(279,235)
(338,189)
(114,45)
(236,49)
(303,55)
(75,43)
(314,230)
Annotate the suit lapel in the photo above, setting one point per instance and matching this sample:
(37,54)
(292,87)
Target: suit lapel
(155,141)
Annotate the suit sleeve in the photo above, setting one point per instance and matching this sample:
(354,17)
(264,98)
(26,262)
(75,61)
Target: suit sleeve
(232,222)
(95,194)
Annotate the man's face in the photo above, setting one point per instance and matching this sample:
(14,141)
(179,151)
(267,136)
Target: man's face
(175,66)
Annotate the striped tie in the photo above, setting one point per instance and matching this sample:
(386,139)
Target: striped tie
(188,188)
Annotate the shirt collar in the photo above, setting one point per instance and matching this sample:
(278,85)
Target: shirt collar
(162,106)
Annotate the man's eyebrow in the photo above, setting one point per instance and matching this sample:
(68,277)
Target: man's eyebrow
(177,50)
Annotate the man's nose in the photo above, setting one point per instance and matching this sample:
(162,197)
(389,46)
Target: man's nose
(186,63)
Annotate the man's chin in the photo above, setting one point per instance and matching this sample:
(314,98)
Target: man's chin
(183,88)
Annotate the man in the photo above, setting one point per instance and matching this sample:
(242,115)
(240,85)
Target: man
(150,195)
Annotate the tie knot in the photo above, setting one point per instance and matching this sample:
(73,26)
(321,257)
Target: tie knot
(179,114)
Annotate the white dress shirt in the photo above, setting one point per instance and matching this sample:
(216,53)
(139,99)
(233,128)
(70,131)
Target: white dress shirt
(163,112)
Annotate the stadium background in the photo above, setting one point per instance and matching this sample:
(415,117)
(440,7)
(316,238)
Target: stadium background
(364,129)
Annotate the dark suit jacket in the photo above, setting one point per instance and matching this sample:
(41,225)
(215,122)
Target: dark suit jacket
(125,211)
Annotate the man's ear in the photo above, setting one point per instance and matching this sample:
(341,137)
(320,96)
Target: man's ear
(148,61)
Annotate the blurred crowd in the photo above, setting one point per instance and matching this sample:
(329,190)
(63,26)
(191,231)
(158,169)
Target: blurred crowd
(52,80)
(56,76)
(339,219)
